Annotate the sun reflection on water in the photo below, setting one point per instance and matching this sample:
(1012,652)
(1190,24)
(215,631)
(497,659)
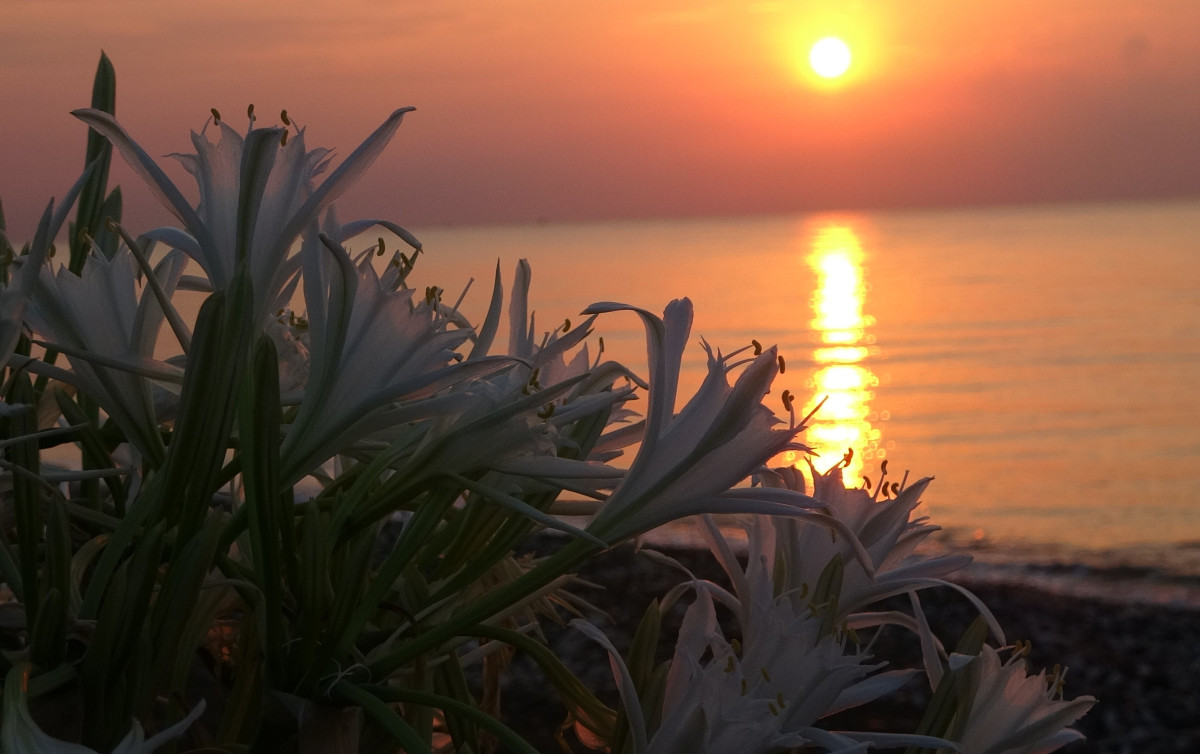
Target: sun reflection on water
(842,347)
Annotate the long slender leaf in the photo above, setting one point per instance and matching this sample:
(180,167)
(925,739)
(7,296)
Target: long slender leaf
(259,420)
(26,495)
(387,719)
(179,597)
(435,701)
(91,211)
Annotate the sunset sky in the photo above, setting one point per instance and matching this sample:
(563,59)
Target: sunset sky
(543,109)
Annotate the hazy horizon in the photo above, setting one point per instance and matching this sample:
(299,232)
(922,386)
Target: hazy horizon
(529,110)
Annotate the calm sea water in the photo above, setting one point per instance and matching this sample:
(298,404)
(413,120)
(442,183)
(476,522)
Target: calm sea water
(1043,364)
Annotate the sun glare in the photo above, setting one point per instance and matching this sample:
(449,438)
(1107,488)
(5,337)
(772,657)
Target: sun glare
(829,57)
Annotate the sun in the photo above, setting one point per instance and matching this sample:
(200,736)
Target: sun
(829,57)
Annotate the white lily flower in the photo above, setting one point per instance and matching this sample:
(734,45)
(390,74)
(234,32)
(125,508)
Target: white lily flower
(15,298)
(544,363)
(767,692)
(108,332)
(257,196)
(1012,712)
(884,528)
(369,347)
(688,462)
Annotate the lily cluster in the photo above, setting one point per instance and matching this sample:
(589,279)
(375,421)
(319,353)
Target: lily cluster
(298,532)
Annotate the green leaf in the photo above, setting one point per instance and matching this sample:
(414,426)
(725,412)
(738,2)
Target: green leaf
(90,215)
(827,593)
(643,670)
(95,453)
(387,718)
(506,735)
(207,405)
(113,665)
(48,639)
(259,419)
(27,494)
(947,698)
(177,599)
(582,703)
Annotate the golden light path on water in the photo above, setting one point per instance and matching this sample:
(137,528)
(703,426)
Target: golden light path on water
(842,346)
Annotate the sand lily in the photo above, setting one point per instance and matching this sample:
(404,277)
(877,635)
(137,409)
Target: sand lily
(766,692)
(688,462)
(1011,712)
(257,196)
(882,525)
(109,333)
(15,298)
(370,345)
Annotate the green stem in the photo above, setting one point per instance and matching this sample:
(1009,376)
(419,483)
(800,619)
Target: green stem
(565,560)
(506,735)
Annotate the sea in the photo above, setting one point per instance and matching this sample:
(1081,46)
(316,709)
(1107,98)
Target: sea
(1042,363)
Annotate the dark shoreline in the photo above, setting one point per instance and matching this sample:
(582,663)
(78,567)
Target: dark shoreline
(1142,661)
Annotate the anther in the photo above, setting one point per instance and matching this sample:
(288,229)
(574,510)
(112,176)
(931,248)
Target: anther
(787,400)
(774,710)
(283,139)
(745,687)
(757,346)
(283,117)
(566,324)
(766,676)
(382,247)
(216,115)
(250,112)
(779,700)
(1059,681)
(730,664)
(781,364)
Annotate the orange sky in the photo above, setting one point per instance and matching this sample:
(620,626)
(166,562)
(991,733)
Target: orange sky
(531,109)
